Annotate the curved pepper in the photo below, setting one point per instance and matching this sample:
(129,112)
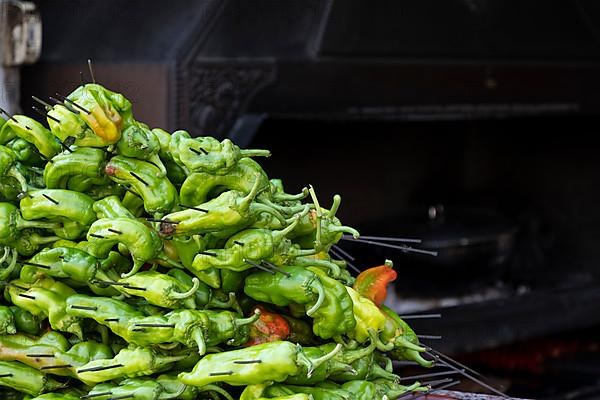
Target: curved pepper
(25,379)
(229,212)
(78,170)
(269,327)
(57,396)
(7,321)
(271,361)
(160,289)
(128,363)
(61,262)
(142,242)
(64,123)
(111,207)
(109,112)
(8,262)
(295,285)
(204,296)
(8,168)
(25,321)
(372,283)
(35,133)
(242,178)
(141,143)
(73,209)
(368,316)
(29,242)
(11,223)
(207,154)
(25,151)
(145,179)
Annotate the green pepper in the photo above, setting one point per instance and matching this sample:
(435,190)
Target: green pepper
(242,178)
(128,363)
(73,209)
(271,361)
(317,393)
(35,133)
(25,151)
(175,173)
(7,321)
(367,314)
(109,112)
(11,223)
(364,363)
(207,154)
(8,262)
(160,289)
(30,241)
(145,179)
(229,212)
(48,301)
(25,379)
(61,262)
(257,391)
(80,169)
(405,340)
(294,285)
(25,321)
(141,143)
(64,124)
(8,168)
(111,207)
(205,296)
(57,396)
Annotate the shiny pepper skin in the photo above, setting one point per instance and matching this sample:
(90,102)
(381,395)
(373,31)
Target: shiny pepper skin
(140,142)
(145,179)
(11,222)
(61,262)
(9,170)
(35,133)
(78,170)
(25,379)
(372,283)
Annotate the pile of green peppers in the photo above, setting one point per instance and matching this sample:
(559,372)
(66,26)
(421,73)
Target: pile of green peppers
(138,263)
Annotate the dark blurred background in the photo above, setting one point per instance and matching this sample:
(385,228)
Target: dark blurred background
(468,124)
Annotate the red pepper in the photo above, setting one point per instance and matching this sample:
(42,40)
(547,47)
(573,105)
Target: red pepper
(269,327)
(372,283)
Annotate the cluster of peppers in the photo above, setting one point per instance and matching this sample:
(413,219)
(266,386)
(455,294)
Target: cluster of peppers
(143,264)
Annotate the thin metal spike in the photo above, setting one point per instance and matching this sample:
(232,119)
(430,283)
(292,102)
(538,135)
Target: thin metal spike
(3,111)
(40,355)
(6,375)
(207,253)
(247,362)
(437,381)
(420,316)
(45,115)
(138,330)
(139,178)
(200,153)
(19,287)
(128,189)
(450,359)
(50,198)
(430,375)
(65,105)
(111,320)
(89,62)
(42,102)
(384,239)
(99,368)
(220,373)
(238,242)
(111,283)
(72,102)
(115,231)
(64,145)
(134,288)
(97,236)
(352,266)
(69,141)
(391,246)
(344,252)
(56,366)
(276,268)
(27,296)
(89,396)
(81,78)
(430,337)
(257,265)
(89,308)
(35,265)
(155,325)
(194,208)
(471,377)
(162,221)
(35,150)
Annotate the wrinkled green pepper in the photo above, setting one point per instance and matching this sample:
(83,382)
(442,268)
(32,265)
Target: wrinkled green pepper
(35,133)
(25,379)
(79,170)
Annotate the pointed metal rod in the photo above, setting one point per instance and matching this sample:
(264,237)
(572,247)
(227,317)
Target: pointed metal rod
(110,283)
(344,252)
(72,102)
(472,378)
(128,189)
(257,265)
(202,152)
(139,178)
(220,373)
(56,366)
(40,355)
(385,239)
(352,266)
(155,325)
(238,242)
(65,105)
(6,375)
(97,236)
(35,150)
(134,288)
(247,362)
(64,145)
(436,382)
(420,316)
(3,111)
(193,208)
(81,78)
(452,360)
(163,221)
(42,102)
(89,62)
(89,308)
(208,253)
(430,375)
(35,265)
(111,320)
(430,337)
(99,368)
(275,268)
(45,115)
(50,198)
(391,246)
(27,296)
(19,287)
(115,231)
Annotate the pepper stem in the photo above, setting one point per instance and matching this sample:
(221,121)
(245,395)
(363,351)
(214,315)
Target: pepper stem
(134,270)
(320,298)
(302,359)
(290,197)
(317,362)
(264,208)
(5,273)
(279,235)
(401,342)
(247,321)
(166,396)
(189,293)
(199,338)
(216,389)
(315,200)
(23,224)
(246,201)
(14,173)
(354,355)
(345,229)
(337,199)
(255,153)
(334,269)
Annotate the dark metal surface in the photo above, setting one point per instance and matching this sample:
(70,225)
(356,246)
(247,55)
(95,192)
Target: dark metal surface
(450,394)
